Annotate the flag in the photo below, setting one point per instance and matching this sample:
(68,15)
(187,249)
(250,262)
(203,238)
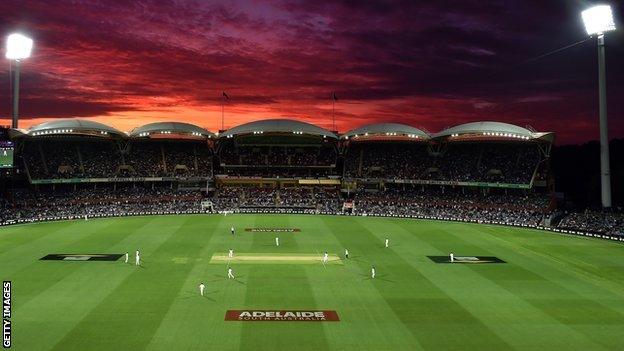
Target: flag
(334,96)
(226,96)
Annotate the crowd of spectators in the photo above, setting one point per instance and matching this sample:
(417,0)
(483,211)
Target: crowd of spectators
(600,222)
(97,202)
(508,207)
(278,156)
(461,162)
(317,198)
(54,158)
(512,207)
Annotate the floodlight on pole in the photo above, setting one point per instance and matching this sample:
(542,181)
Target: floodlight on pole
(18,47)
(599,20)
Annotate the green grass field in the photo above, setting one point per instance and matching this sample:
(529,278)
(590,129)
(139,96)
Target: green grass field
(554,292)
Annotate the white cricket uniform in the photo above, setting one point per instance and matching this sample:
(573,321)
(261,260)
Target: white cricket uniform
(230,274)
(126,257)
(201,289)
(325,258)
(373,272)
(346,253)
(137,259)
(232,230)
(231,253)
(452,257)
(387,242)
(276,241)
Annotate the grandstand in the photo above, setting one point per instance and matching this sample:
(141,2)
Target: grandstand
(489,172)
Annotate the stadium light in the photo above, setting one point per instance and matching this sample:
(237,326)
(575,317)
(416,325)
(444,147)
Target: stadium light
(18,47)
(598,20)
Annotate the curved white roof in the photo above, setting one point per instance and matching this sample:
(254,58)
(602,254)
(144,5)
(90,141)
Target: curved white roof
(170,127)
(496,128)
(71,126)
(278,126)
(387,129)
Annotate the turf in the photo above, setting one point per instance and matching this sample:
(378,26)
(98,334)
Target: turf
(553,292)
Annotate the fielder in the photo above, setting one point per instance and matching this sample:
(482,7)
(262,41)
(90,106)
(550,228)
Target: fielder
(325,257)
(232,230)
(387,241)
(230,274)
(231,254)
(201,288)
(126,257)
(373,272)
(452,257)
(346,254)
(137,258)
(276,241)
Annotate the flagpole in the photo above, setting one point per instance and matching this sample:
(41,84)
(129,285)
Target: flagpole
(334,111)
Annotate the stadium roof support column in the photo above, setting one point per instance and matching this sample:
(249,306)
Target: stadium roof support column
(598,20)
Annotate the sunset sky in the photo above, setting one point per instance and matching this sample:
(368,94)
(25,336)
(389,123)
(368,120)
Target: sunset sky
(428,64)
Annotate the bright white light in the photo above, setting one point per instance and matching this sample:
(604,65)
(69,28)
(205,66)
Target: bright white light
(598,19)
(18,47)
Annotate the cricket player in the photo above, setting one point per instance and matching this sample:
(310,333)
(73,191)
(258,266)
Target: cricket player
(137,258)
(452,257)
(373,272)
(230,274)
(325,257)
(126,257)
(232,230)
(201,288)
(277,241)
(231,254)
(346,254)
(387,241)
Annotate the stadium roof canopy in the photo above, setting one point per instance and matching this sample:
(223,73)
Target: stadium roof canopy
(491,130)
(73,127)
(170,129)
(387,130)
(278,126)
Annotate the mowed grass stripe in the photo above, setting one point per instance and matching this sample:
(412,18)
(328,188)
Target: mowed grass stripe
(36,276)
(435,319)
(595,315)
(364,313)
(24,236)
(281,287)
(49,290)
(128,315)
(509,315)
(192,321)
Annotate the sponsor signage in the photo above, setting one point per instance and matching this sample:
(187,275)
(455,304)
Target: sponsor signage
(265,230)
(466,259)
(81,257)
(281,316)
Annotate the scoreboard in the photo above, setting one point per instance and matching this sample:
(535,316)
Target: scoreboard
(6,154)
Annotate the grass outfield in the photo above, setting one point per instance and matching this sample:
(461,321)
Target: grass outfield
(553,292)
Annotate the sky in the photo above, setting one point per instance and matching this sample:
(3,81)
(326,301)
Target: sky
(429,64)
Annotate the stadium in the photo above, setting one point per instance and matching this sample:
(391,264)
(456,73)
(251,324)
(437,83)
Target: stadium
(398,198)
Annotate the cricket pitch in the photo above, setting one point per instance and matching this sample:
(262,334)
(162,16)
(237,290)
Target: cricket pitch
(274,258)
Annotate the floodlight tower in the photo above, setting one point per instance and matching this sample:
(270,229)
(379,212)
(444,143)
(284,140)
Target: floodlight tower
(598,20)
(18,48)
